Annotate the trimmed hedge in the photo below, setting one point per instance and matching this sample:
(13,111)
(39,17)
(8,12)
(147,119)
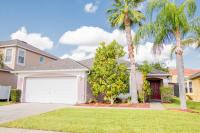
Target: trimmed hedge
(15,95)
(166,94)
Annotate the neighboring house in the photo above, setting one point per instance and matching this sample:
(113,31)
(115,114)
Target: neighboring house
(65,81)
(188,83)
(19,55)
(195,78)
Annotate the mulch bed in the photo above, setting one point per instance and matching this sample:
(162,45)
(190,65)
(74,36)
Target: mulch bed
(184,110)
(139,105)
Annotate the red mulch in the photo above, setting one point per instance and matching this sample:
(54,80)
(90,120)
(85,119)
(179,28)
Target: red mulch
(139,105)
(185,110)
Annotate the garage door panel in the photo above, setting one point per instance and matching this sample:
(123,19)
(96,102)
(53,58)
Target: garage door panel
(51,90)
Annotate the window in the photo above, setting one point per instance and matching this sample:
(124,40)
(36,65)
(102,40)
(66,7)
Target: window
(190,86)
(8,55)
(41,60)
(186,87)
(21,56)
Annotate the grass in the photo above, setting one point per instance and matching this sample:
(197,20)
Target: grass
(4,103)
(190,104)
(80,120)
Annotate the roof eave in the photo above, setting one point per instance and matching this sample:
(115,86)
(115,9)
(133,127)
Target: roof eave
(39,71)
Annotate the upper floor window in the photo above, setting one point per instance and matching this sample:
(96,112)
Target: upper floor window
(21,56)
(190,87)
(8,55)
(186,87)
(42,60)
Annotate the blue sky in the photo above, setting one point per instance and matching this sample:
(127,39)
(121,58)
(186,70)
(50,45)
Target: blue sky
(85,23)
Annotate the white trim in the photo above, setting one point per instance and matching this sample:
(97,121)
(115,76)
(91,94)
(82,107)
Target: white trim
(39,71)
(5,51)
(159,75)
(18,63)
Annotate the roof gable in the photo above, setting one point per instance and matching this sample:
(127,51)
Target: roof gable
(24,45)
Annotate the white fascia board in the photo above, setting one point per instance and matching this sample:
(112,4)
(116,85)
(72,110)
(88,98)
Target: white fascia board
(61,70)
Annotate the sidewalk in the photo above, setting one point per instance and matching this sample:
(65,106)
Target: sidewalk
(156,106)
(15,130)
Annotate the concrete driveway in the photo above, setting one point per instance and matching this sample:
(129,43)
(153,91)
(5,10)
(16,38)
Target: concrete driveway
(21,110)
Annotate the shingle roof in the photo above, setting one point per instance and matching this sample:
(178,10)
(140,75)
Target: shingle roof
(61,64)
(156,71)
(196,75)
(5,68)
(89,62)
(26,46)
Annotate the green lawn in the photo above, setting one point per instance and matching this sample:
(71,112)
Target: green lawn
(4,103)
(78,120)
(190,104)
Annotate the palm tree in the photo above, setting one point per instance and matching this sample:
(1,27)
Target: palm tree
(171,24)
(124,15)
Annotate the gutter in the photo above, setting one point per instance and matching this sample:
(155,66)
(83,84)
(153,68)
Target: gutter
(40,71)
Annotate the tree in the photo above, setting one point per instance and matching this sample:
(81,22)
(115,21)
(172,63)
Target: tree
(145,69)
(107,76)
(171,24)
(124,15)
(160,66)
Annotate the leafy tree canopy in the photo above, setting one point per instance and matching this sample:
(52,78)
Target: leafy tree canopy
(107,76)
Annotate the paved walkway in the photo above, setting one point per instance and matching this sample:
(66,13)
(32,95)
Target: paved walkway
(17,111)
(156,106)
(15,130)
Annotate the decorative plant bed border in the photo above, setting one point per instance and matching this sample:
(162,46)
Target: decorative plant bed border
(184,110)
(139,105)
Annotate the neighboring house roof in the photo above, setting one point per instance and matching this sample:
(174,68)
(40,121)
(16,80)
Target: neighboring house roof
(194,76)
(61,64)
(187,71)
(24,45)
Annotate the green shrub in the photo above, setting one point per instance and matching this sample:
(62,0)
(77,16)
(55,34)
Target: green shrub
(92,100)
(166,94)
(15,95)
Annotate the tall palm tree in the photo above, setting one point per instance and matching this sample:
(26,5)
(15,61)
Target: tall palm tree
(171,24)
(124,15)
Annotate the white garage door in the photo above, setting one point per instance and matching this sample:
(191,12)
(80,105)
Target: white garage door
(51,90)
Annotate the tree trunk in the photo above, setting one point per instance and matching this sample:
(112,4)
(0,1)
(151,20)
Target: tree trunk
(180,70)
(131,48)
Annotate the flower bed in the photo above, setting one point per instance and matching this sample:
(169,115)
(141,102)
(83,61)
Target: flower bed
(139,105)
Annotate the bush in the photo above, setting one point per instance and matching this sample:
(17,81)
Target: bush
(92,100)
(15,95)
(166,94)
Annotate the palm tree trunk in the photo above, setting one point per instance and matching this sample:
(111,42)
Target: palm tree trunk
(180,70)
(133,87)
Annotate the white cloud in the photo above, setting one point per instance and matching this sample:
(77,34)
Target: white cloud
(35,39)
(144,53)
(90,36)
(82,52)
(91,7)
(87,40)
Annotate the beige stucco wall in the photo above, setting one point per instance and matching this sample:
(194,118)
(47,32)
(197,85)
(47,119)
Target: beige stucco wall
(32,59)
(196,90)
(8,79)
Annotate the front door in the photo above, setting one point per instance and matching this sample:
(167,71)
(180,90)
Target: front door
(155,87)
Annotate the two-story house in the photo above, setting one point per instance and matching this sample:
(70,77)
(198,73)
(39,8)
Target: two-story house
(19,55)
